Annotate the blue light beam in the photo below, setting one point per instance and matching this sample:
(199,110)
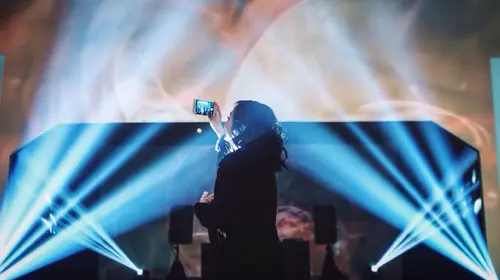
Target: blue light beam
(73,162)
(112,163)
(132,192)
(449,182)
(24,183)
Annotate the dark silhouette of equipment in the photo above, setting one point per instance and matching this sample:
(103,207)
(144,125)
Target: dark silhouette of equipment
(180,233)
(330,270)
(325,224)
(325,233)
(177,270)
(181,225)
(296,259)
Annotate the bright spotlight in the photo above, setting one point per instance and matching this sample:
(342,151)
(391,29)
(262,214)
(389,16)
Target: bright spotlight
(478,204)
(199,130)
(142,275)
(371,274)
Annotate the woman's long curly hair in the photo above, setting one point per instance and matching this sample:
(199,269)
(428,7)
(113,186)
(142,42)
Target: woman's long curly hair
(255,124)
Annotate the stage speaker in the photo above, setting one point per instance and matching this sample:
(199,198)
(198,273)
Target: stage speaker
(325,224)
(296,259)
(181,225)
(422,262)
(208,264)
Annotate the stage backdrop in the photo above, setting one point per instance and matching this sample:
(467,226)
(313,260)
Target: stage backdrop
(313,60)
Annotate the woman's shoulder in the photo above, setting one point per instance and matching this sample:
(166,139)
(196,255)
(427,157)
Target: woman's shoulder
(244,161)
(233,159)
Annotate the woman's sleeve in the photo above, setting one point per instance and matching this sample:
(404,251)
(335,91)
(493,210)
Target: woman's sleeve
(214,214)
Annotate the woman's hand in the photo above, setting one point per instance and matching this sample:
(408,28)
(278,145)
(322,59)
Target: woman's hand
(206,197)
(216,121)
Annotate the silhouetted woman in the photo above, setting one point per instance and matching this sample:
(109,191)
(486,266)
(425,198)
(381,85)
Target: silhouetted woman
(241,214)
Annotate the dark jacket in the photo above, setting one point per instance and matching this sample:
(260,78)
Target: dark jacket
(243,213)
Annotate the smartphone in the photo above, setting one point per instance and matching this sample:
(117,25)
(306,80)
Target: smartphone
(203,107)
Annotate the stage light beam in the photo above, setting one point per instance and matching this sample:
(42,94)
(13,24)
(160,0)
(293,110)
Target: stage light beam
(132,191)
